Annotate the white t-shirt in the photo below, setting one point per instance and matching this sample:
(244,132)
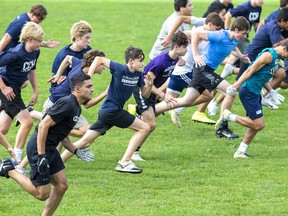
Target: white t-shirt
(157,48)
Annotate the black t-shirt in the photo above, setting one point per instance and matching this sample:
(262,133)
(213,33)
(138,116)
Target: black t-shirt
(65,112)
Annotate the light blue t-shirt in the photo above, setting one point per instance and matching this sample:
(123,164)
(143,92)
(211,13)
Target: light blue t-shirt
(219,48)
(258,79)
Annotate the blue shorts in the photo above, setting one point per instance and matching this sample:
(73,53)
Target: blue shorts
(179,82)
(109,118)
(54,159)
(251,103)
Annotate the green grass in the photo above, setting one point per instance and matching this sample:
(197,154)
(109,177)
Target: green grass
(188,171)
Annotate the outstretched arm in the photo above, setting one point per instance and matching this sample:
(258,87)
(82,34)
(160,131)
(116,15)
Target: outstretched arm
(196,36)
(97,99)
(63,66)
(50,43)
(4,41)
(33,80)
(264,59)
(147,88)
(97,62)
(179,21)
(228,17)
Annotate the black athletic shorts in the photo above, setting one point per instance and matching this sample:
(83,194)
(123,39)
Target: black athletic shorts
(205,78)
(143,104)
(12,108)
(109,118)
(55,162)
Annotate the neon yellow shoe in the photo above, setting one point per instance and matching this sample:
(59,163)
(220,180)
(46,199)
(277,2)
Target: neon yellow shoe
(132,109)
(202,118)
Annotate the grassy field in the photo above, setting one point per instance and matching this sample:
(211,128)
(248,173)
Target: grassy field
(187,171)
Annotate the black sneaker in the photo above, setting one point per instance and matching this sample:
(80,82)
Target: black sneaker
(5,166)
(17,123)
(225,132)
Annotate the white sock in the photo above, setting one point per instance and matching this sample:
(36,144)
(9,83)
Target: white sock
(232,117)
(180,109)
(18,153)
(243,147)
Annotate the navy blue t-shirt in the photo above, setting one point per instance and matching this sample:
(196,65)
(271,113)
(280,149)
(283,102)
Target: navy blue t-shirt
(18,64)
(65,113)
(252,14)
(14,29)
(121,87)
(64,88)
(268,35)
(63,53)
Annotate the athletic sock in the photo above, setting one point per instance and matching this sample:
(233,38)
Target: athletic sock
(18,153)
(243,147)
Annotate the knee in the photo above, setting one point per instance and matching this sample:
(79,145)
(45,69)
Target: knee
(28,123)
(259,126)
(4,131)
(44,196)
(152,126)
(147,128)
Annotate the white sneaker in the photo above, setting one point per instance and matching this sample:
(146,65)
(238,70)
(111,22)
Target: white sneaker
(227,71)
(128,167)
(269,103)
(224,116)
(175,117)
(239,154)
(212,108)
(136,156)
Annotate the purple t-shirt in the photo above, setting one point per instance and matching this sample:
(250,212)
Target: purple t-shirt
(161,66)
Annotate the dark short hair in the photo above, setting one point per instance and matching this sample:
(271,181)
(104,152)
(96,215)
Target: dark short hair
(283,3)
(283,15)
(78,80)
(179,3)
(89,57)
(215,19)
(215,7)
(241,23)
(179,39)
(39,11)
(134,53)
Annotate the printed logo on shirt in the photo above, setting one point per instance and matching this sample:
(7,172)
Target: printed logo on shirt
(27,66)
(76,118)
(275,68)
(253,16)
(168,71)
(129,81)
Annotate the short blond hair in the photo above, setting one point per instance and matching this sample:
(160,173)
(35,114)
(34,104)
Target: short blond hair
(31,30)
(80,29)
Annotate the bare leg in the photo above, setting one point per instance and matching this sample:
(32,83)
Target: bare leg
(39,192)
(142,130)
(60,184)
(26,125)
